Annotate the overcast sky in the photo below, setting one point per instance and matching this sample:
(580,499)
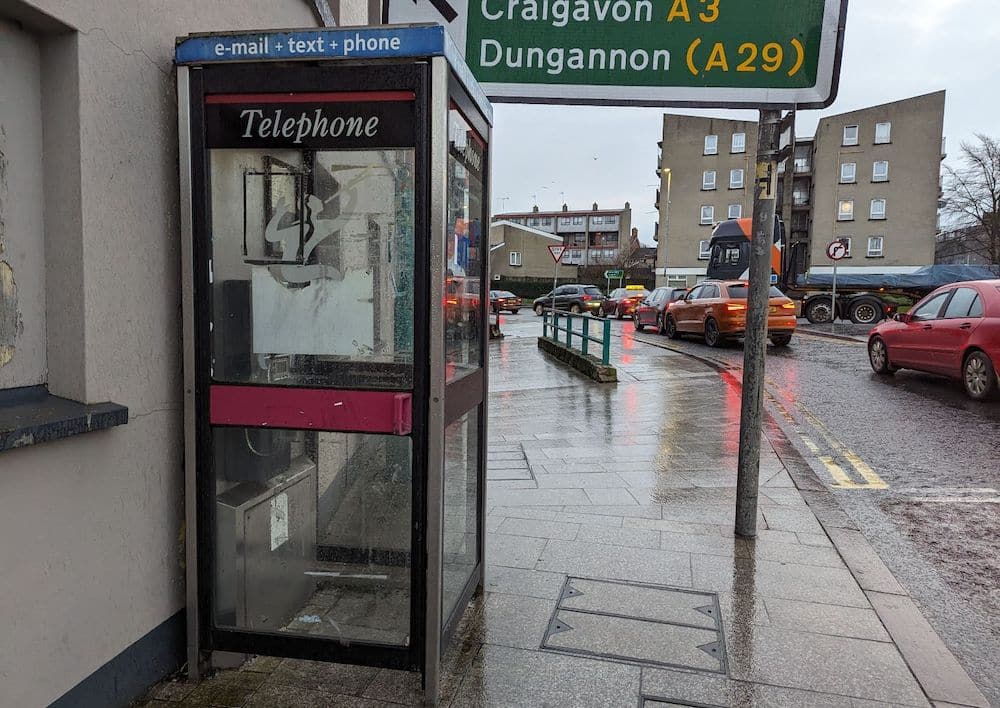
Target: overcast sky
(894,49)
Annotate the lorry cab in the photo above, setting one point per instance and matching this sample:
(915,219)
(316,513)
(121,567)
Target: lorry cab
(730,250)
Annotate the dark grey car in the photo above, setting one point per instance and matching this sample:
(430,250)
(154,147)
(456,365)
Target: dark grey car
(577,299)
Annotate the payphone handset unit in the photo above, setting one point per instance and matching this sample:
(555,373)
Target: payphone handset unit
(334,193)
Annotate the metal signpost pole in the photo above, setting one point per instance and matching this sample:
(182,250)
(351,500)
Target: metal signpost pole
(557,253)
(755,343)
(833,297)
(555,281)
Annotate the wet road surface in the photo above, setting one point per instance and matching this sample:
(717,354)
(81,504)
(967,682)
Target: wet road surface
(913,461)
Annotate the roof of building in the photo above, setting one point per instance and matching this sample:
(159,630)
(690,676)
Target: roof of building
(538,214)
(528,229)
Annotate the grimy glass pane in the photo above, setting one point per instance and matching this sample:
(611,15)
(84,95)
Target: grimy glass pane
(312,267)
(465,240)
(313,533)
(461,510)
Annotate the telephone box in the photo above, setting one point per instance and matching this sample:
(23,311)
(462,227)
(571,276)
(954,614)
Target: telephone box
(335,227)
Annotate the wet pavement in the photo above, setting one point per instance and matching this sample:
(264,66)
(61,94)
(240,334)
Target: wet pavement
(613,576)
(914,464)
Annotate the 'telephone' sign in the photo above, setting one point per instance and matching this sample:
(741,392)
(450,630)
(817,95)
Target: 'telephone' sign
(654,52)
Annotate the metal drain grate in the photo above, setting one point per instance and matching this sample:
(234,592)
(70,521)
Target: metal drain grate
(639,623)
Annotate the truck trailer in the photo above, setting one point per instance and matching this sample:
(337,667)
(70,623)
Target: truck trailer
(863,298)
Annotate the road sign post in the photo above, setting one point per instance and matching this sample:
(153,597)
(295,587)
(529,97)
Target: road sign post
(836,251)
(755,340)
(704,53)
(557,253)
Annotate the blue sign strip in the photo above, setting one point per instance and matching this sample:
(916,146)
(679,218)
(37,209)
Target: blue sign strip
(340,43)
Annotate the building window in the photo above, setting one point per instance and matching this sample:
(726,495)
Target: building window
(735,211)
(711,144)
(704,250)
(515,258)
(850,135)
(848,172)
(707,215)
(875,246)
(883,133)
(547,221)
(577,221)
(736,179)
(878,209)
(611,220)
(534,222)
(597,220)
(847,240)
(880,171)
(739,142)
(845,210)
(708,179)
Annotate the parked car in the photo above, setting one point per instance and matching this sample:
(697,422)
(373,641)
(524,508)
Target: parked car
(717,310)
(504,301)
(622,302)
(575,298)
(953,332)
(650,312)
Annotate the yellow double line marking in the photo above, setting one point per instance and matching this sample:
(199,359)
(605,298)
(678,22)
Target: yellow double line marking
(842,480)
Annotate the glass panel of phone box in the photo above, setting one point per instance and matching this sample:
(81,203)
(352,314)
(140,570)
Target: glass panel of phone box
(312,272)
(463,353)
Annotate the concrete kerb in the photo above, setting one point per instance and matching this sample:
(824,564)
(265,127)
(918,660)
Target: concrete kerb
(831,335)
(584,363)
(943,680)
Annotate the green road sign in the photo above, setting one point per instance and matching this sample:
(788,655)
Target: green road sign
(614,274)
(727,53)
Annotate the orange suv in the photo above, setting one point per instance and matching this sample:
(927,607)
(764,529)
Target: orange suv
(717,310)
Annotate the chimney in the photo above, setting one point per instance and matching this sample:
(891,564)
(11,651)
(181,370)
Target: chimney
(534,209)
(595,206)
(627,206)
(565,207)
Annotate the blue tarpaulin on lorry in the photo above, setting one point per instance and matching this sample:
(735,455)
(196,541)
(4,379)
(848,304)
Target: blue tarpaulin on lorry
(925,279)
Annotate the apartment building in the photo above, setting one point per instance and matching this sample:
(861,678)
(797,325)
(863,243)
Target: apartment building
(877,182)
(872,176)
(592,237)
(705,167)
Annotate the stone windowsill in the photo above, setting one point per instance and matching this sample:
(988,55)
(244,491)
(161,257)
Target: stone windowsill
(32,415)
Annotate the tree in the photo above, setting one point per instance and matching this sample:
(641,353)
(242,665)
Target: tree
(627,259)
(972,196)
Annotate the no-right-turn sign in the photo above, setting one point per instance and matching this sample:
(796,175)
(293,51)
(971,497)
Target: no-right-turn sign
(837,250)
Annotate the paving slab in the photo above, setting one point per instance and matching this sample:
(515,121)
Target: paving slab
(644,602)
(616,563)
(835,586)
(821,663)
(519,581)
(513,551)
(640,641)
(539,529)
(615,536)
(856,622)
(501,676)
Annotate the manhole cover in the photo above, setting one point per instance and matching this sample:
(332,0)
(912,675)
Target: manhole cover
(635,622)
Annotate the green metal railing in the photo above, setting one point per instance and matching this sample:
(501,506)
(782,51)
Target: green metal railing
(582,333)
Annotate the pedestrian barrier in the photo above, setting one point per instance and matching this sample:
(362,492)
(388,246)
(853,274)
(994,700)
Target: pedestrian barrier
(551,321)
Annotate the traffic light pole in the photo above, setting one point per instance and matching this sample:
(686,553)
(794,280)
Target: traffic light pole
(755,342)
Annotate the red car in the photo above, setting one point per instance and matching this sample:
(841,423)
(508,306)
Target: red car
(622,302)
(650,312)
(954,332)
